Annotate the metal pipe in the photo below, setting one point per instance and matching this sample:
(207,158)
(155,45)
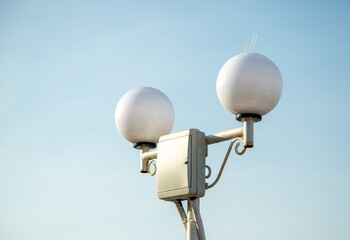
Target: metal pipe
(224,136)
(249,133)
(144,162)
(182,213)
(197,216)
(145,156)
(192,233)
(149,155)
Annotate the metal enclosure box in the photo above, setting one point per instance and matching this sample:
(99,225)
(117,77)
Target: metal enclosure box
(181,165)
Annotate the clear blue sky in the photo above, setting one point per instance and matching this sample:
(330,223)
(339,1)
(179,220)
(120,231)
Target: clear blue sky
(66,173)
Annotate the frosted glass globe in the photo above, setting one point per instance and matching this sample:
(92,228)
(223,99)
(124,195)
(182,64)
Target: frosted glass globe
(144,114)
(249,83)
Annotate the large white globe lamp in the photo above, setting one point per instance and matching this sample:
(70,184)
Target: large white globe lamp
(143,115)
(249,84)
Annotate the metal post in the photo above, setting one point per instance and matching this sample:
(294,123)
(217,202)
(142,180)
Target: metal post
(192,233)
(182,213)
(197,215)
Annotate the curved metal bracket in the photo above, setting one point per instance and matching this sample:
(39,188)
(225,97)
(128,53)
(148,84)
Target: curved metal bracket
(209,171)
(151,163)
(238,152)
(237,145)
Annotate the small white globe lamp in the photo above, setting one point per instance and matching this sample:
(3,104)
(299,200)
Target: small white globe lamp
(249,85)
(144,114)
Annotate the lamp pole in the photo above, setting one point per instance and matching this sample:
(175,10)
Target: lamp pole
(249,85)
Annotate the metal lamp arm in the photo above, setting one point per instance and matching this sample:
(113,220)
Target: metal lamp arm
(246,132)
(147,157)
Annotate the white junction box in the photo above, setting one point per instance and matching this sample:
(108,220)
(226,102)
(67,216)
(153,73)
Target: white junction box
(181,165)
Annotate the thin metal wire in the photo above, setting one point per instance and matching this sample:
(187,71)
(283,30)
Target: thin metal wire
(226,157)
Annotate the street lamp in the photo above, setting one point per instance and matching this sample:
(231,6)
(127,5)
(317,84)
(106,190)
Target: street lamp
(249,85)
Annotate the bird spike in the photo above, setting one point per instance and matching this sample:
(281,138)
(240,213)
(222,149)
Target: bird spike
(252,44)
(256,37)
(244,44)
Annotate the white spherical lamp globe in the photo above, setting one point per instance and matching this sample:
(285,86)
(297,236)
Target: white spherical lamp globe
(143,115)
(249,83)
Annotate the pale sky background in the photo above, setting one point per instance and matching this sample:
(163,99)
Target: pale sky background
(66,173)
